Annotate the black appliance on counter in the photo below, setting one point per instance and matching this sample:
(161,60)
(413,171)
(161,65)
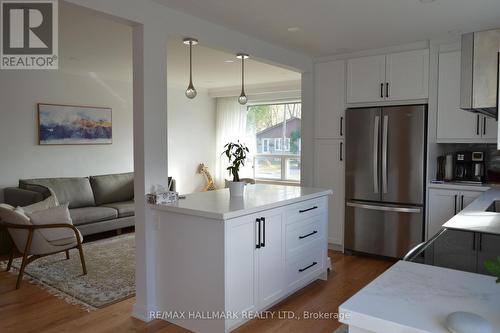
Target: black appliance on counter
(469,167)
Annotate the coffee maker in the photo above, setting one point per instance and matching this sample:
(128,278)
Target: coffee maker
(469,167)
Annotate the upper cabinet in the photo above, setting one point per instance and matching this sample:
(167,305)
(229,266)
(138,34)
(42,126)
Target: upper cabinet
(330,99)
(366,79)
(392,77)
(455,125)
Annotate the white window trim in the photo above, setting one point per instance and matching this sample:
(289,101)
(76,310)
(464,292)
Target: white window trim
(265,145)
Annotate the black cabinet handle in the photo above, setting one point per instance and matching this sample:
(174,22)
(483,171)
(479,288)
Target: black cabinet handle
(473,241)
(263,243)
(308,209)
(382,90)
(387,89)
(484,125)
(477,125)
(462,203)
(307,267)
(456,196)
(341,126)
(341,157)
(309,234)
(257,246)
(480,242)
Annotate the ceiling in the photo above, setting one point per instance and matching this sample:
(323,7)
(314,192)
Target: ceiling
(325,27)
(90,44)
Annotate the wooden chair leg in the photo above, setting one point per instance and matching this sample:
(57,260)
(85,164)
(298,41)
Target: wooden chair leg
(11,257)
(25,259)
(67,254)
(82,259)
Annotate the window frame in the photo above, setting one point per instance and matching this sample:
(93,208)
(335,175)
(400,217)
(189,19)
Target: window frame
(283,157)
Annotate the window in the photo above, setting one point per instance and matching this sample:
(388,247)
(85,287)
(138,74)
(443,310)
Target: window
(273,136)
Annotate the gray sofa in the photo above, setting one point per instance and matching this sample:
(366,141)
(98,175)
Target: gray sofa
(96,203)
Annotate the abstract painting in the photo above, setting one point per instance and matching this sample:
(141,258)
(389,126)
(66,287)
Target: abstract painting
(74,125)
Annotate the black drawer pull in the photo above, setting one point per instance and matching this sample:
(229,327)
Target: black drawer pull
(257,246)
(263,243)
(308,209)
(309,234)
(306,268)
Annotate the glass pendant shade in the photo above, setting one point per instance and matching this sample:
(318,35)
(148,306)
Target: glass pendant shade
(243,99)
(190,91)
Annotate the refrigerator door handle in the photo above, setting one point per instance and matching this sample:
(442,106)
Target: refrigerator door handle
(385,208)
(384,154)
(375,154)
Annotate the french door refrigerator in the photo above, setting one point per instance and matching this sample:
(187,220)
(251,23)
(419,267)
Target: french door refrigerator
(385,170)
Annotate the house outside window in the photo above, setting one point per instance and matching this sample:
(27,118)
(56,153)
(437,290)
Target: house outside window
(274,138)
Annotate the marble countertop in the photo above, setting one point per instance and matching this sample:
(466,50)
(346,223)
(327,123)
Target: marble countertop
(461,186)
(220,205)
(475,218)
(411,298)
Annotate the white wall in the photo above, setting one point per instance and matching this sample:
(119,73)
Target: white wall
(191,137)
(20,154)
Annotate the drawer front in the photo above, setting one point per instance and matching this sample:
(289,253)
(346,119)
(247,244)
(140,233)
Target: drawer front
(305,267)
(305,209)
(304,233)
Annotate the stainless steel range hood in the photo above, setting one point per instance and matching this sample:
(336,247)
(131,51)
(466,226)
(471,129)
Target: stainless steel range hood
(480,72)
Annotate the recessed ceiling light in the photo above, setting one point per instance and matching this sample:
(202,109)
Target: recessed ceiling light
(293,29)
(228,61)
(426,1)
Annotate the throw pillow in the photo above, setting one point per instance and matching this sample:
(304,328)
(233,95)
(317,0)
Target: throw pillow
(50,202)
(53,215)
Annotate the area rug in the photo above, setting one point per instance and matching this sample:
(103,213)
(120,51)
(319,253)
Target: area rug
(110,272)
(341,329)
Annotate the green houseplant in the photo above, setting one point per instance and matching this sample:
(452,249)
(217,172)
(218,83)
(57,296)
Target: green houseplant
(236,154)
(493,267)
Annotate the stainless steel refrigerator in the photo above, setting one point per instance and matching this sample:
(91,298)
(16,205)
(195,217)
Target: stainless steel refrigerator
(385,171)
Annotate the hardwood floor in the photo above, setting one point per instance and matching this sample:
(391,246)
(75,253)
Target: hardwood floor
(31,309)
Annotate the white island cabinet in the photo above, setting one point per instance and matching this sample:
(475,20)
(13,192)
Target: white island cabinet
(220,259)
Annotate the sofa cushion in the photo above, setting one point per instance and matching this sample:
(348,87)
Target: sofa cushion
(113,188)
(92,214)
(53,215)
(124,208)
(76,191)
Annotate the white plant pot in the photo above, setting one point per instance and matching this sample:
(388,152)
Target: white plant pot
(236,189)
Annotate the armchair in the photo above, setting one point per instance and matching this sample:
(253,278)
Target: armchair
(31,243)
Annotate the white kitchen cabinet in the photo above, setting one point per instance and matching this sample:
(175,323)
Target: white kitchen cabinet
(366,79)
(407,75)
(443,204)
(455,125)
(392,77)
(329,173)
(330,88)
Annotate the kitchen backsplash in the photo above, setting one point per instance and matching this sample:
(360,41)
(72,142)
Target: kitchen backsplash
(491,153)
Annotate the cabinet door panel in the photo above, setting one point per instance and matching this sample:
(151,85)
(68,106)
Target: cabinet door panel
(242,265)
(443,205)
(329,173)
(407,75)
(489,249)
(466,197)
(364,77)
(330,99)
(490,129)
(456,250)
(453,123)
(271,260)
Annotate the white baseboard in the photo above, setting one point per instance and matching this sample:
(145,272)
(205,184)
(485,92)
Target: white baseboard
(141,312)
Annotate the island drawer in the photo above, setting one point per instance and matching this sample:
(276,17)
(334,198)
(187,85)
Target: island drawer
(306,209)
(302,234)
(305,267)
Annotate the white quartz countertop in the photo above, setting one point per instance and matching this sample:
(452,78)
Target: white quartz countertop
(474,217)
(461,186)
(411,298)
(220,205)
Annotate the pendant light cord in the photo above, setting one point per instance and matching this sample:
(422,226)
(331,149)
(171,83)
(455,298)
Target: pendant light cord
(191,62)
(242,75)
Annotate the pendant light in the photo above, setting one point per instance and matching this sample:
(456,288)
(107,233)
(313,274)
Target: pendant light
(190,91)
(243,98)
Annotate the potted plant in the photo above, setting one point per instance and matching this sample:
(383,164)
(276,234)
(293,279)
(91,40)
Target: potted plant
(236,154)
(493,266)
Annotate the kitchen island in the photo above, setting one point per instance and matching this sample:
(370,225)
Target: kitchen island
(221,259)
